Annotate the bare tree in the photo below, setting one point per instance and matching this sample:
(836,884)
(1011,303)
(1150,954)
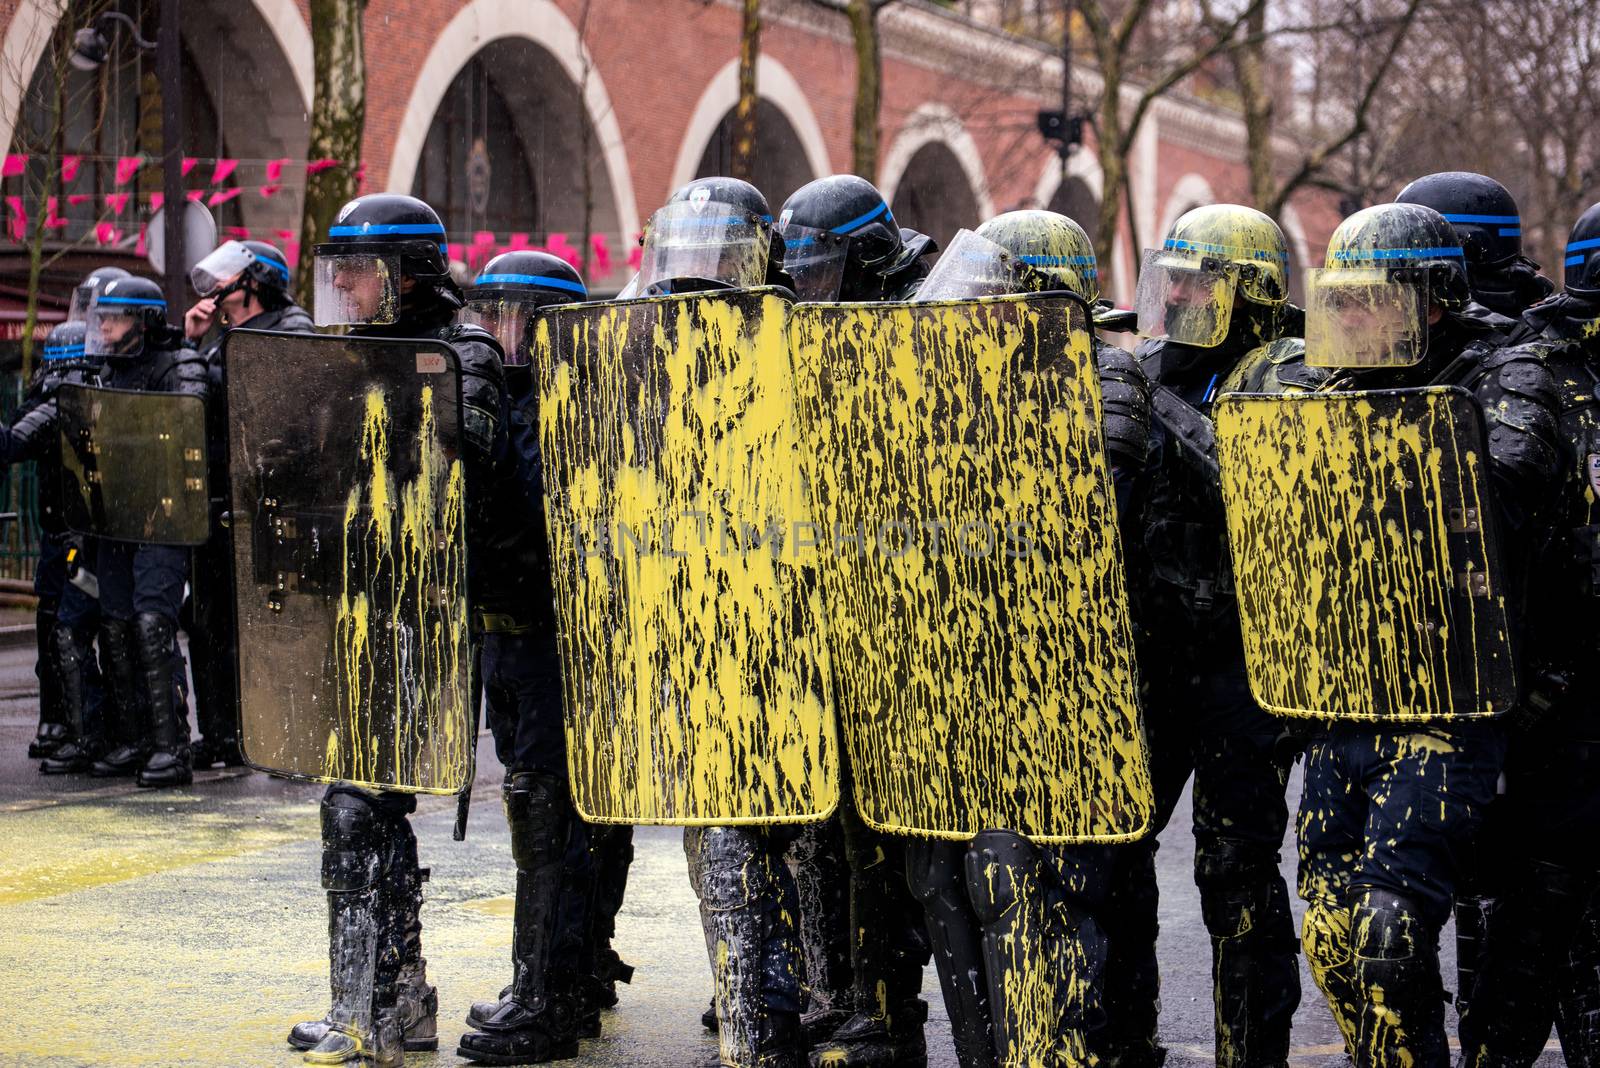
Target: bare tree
(864,117)
(743,164)
(338,119)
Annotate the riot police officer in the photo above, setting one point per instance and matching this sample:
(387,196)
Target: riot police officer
(970,893)
(1540,957)
(538,1017)
(1388,808)
(64,362)
(1216,289)
(864,945)
(241,284)
(1488,226)
(383,272)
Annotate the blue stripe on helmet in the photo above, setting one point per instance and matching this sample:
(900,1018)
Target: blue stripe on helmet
(62,352)
(1058,261)
(1359,254)
(861,220)
(395,229)
(136,302)
(548,281)
(1511,231)
(1573,261)
(282,269)
(1578,246)
(1223,250)
(1502,220)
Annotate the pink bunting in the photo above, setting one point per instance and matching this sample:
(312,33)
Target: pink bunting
(456,252)
(127,167)
(361,175)
(196,194)
(602,254)
(141,248)
(53,219)
(559,246)
(13,166)
(69,168)
(107,234)
(285,235)
(317,166)
(636,253)
(189,163)
(78,198)
(222,196)
(270,190)
(291,251)
(117,201)
(17,224)
(156,200)
(275,169)
(222,170)
(238,233)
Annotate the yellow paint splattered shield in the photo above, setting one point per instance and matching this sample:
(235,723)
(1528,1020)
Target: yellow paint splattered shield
(1365,556)
(976,600)
(134,465)
(348,527)
(695,663)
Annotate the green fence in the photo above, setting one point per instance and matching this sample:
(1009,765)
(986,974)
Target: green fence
(19,492)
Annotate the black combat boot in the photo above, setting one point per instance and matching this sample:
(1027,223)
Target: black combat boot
(77,755)
(124,703)
(155,638)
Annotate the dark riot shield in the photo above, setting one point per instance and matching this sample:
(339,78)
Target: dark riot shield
(1365,555)
(693,653)
(134,465)
(349,550)
(977,607)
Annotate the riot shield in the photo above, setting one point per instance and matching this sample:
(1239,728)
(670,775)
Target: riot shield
(349,549)
(1365,555)
(977,608)
(694,661)
(134,465)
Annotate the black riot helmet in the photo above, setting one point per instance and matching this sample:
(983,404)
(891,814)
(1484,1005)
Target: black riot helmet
(65,342)
(1482,212)
(85,292)
(374,242)
(839,239)
(253,266)
(1582,263)
(510,291)
(128,318)
(714,233)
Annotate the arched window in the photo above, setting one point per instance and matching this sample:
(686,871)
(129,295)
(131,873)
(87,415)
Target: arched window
(781,165)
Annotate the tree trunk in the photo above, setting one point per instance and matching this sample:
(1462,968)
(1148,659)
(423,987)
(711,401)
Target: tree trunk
(1113,163)
(869,81)
(338,117)
(1250,68)
(743,164)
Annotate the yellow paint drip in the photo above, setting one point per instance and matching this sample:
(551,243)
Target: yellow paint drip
(697,676)
(984,663)
(1360,528)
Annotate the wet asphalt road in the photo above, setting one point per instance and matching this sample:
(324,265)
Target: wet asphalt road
(187,927)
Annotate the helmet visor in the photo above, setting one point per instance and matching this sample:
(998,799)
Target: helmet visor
(815,259)
(356,289)
(219,268)
(82,297)
(507,320)
(712,241)
(1186,299)
(1359,317)
(115,327)
(974,266)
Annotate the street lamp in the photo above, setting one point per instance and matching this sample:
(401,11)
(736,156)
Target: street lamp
(91,46)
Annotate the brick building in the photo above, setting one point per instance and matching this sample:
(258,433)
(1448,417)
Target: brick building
(483,107)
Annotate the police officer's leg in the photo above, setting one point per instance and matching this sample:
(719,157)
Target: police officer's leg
(354,851)
(158,576)
(889,946)
(72,650)
(747,908)
(1427,793)
(1578,996)
(1081,877)
(822,879)
(1240,821)
(612,850)
(49,578)
(125,709)
(536,1019)
(1330,829)
(936,873)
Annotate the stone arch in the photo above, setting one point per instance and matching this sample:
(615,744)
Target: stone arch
(781,96)
(1079,198)
(513,28)
(1191,191)
(782,165)
(946,156)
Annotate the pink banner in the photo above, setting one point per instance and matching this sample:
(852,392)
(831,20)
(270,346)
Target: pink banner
(519,243)
(69,168)
(195,194)
(13,166)
(268,191)
(127,167)
(140,248)
(155,201)
(222,170)
(317,166)
(17,222)
(285,235)
(602,254)
(291,251)
(559,246)
(361,175)
(189,164)
(456,252)
(222,196)
(78,198)
(107,234)
(238,233)
(53,219)
(117,201)
(275,169)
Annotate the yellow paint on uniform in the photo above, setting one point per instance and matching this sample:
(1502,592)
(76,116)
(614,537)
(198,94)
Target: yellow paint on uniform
(977,605)
(1363,556)
(696,668)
